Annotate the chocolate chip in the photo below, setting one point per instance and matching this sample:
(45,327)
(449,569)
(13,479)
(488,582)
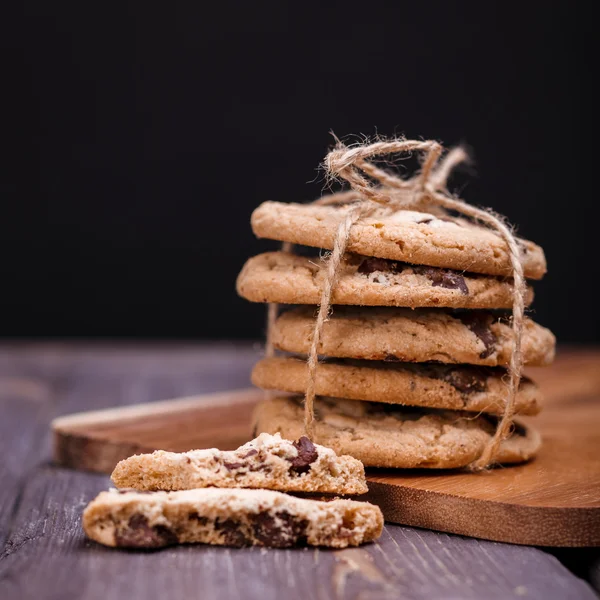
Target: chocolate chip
(251,452)
(371,264)
(446,278)
(479,323)
(467,380)
(194,516)
(281,530)
(260,467)
(138,534)
(232,466)
(307,454)
(232,533)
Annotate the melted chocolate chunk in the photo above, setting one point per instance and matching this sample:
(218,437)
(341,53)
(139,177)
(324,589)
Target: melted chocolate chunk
(138,534)
(279,531)
(194,516)
(250,452)
(371,265)
(232,466)
(232,533)
(467,380)
(260,467)
(446,278)
(307,454)
(479,323)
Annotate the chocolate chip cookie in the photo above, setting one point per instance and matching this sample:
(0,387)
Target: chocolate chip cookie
(290,279)
(267,462)
(420,335)
(228,517)
(415,237)
(385,435)
(463,387)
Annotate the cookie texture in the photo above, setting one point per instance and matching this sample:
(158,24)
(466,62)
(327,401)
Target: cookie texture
(476,389)
(290,279)
(414,237)
(227,517)
(268,462)
(421,335)
(384,435)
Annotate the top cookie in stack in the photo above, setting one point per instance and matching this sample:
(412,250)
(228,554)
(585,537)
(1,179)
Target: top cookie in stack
(398,387)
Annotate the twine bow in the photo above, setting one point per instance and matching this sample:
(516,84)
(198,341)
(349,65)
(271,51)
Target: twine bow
(426,190)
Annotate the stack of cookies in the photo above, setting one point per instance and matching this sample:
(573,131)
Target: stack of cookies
(413,357)
(235,498)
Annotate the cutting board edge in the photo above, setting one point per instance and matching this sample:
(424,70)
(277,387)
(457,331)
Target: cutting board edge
(487,519)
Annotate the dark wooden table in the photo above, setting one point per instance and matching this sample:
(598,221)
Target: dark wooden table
(44,554)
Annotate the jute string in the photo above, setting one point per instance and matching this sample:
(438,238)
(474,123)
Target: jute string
(425,191)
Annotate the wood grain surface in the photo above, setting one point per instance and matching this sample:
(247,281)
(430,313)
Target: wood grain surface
(44,554)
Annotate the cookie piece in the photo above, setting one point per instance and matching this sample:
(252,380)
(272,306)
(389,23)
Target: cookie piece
(414,237)
(474,389)
(289,279)
(130,519)
(421,335)
(385,435)
(267,462)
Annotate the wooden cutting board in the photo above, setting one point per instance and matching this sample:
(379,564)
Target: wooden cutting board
(551,501)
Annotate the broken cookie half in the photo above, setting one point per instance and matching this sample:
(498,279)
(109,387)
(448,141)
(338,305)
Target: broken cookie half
(228,517)
(267,462)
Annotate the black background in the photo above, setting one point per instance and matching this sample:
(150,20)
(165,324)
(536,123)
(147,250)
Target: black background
(139,137)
